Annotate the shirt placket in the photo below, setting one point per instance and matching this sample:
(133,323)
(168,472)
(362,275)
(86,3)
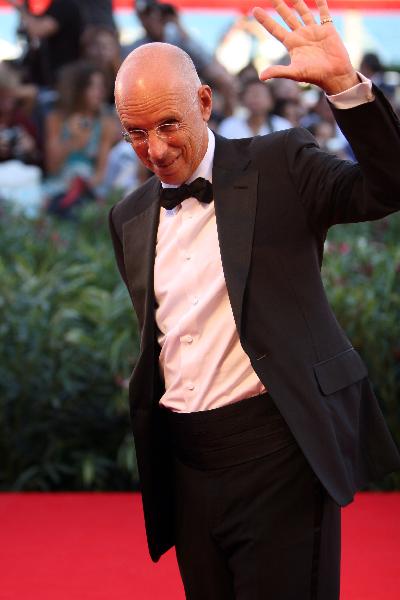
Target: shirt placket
(189,324)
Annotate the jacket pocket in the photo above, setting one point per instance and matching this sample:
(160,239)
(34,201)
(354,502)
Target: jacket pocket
(340,371)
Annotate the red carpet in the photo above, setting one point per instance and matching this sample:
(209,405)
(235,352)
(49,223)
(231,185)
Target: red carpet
(92,547)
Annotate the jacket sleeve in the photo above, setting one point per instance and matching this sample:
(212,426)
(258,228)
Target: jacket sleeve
(119,255)
(335,191)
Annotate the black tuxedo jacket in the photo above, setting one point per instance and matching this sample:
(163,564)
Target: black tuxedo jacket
(275,197)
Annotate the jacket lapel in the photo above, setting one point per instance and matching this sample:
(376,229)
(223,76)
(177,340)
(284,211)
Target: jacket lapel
(139,243)
(235,198)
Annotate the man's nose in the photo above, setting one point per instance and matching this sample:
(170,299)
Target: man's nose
(156,147)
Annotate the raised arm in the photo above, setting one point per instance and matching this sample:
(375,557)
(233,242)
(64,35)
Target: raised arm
(334,191)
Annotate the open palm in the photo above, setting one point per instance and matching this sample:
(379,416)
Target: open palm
(317,52)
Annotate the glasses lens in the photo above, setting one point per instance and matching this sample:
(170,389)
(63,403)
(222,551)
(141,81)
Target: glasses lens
(166,131)
(138,136)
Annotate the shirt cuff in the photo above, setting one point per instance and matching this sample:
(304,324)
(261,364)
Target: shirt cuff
(354,96)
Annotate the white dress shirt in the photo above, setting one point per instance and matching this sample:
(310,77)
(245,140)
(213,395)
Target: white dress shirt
(202,361)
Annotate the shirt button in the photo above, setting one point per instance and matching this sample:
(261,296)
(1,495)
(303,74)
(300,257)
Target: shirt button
(195,301)
(186,339)
(190,386)
(188,257)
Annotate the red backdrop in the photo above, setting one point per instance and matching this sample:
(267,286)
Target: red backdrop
(38,6)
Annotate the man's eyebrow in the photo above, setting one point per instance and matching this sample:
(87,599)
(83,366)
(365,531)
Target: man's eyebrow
(169,119)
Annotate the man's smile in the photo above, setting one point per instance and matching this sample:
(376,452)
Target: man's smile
(164,166)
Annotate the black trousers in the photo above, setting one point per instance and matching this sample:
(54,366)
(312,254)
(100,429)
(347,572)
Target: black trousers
(252,522)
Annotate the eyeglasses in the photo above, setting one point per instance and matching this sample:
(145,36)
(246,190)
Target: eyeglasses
(165,131)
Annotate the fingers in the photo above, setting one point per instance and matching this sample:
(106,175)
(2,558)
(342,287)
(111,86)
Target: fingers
(323,9)
(277,71)
(304,12)
(287,15)
(269,24)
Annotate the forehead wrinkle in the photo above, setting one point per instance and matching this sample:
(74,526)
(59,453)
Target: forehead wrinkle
(150,105)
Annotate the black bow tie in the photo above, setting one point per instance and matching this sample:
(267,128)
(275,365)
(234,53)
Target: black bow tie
(199,188)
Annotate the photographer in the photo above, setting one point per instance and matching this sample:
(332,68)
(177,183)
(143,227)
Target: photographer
(18,135)
(53,39)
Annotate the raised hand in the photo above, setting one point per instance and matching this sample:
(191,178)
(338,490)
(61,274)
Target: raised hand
(316,50)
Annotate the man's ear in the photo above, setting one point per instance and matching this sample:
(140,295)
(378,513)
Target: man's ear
(205,97)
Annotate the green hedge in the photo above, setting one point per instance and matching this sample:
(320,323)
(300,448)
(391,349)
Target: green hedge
(362,277)
(68,341)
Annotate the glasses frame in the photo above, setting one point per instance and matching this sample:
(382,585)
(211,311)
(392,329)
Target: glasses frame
(158,129)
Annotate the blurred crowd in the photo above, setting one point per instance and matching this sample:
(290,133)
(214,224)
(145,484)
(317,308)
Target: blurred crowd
(60,139)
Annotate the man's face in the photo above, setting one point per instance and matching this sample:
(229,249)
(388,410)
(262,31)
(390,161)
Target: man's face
(174,159)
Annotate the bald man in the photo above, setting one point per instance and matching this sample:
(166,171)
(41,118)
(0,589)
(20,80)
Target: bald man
(253,416)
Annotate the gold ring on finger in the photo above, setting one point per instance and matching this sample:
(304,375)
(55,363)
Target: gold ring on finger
(327,20)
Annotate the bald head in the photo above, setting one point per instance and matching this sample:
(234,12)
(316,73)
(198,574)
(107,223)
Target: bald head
(156,65)
(161,100)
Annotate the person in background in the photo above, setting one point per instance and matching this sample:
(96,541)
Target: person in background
(54,39)
(324,133)
(258,119)
(291,110)
(288,101)
(18,133)
(20,152)
(161,23)
(79,135)
(285,89)
(122,170)
(98,13)
(371,66)
(320,121)
(100,46)
(248,72)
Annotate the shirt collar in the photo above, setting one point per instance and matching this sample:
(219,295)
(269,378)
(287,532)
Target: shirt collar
(205,167)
